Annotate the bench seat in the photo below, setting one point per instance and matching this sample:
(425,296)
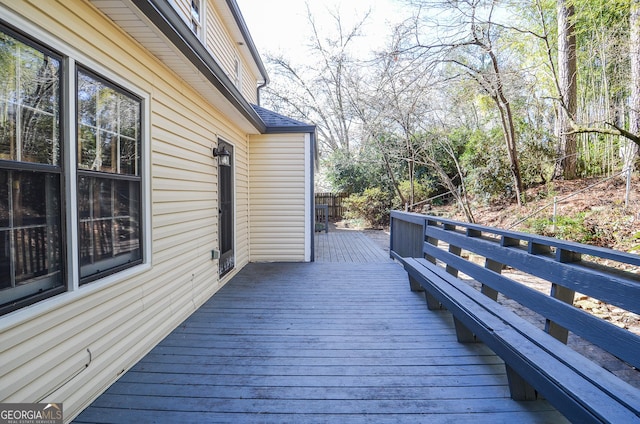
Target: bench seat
(579,388)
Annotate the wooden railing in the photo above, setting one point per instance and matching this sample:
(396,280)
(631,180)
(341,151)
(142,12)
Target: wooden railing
(434,251)
(33,252)
(603,274)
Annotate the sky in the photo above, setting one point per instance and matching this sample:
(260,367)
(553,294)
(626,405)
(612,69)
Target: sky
(281,26)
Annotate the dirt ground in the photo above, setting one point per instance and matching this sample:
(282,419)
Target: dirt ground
(617,316)
(600,201)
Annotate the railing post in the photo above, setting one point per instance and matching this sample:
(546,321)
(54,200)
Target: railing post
(407,238)
(495,267)
(428,239)
(563,294)
(463,334)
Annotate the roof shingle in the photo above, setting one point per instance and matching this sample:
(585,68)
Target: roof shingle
(277,123)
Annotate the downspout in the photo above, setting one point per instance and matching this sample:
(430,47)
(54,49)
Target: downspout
(312,200)
(260,86)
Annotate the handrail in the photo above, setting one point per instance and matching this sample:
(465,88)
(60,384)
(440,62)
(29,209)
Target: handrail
(531,239)
(566,266)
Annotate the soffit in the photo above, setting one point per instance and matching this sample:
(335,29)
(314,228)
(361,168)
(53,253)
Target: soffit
(156,26)
(233,20)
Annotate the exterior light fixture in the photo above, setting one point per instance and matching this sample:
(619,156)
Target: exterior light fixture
(223,155)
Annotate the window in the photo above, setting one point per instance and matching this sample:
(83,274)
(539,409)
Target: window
(195,16)
(109,183)
(31,265)
(237,73)
(35,171)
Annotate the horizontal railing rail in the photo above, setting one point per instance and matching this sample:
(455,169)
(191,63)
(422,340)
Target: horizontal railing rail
(482,252)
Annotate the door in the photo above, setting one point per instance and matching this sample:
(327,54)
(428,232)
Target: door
(225,211)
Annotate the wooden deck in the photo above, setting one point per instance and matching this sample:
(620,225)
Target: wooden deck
(347,246)
(317,342)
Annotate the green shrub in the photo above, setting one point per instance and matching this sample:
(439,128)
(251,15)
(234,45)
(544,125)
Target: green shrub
(567,228)
(487,169)
(636,241)
(422,190)
(373,206)
(348,173)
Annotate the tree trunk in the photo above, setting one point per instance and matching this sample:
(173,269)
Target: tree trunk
(630,151)
(509,128)
(566,162)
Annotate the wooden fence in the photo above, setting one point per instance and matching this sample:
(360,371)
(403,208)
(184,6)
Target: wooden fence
(334,202)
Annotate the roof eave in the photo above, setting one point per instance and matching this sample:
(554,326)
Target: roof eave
(166,19)
(290,130)
(242,25)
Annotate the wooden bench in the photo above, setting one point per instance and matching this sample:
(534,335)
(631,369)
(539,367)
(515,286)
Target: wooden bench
(538,362)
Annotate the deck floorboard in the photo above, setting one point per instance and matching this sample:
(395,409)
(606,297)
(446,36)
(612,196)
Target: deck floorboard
(339,340)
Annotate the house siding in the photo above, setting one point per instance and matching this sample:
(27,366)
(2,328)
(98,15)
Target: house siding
(222,45)
(71,347)
(225,50)
(278,210)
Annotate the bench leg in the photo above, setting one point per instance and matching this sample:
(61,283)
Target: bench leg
(463,334)
(432,303)
(415,286)
(519,388)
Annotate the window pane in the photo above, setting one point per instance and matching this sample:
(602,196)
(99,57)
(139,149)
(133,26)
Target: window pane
(109,149)
(87,96)
(36,223)
(30,102)
(87,151)
(40,139)
(108,127)
(109,224)
(7,128)
(104,200)
(107,109)
(31,252)
(127,204)
(5,234)
(30,239)
(129,117)
(128,155)
(5,211)
(5,260)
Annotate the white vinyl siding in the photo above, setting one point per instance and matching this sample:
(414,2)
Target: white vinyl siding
(226,50)
(278,184)
(222,45)
(185,11)
(73,346)
(249,84)
(241,184)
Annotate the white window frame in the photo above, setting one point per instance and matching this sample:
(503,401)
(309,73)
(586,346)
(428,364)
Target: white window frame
(72,57)
(196,23)
(237,77)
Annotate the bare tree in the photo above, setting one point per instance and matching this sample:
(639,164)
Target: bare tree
(473,51)
(318,92)
(458,191)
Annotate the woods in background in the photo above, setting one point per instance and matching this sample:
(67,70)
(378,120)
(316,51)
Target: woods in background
(479,98)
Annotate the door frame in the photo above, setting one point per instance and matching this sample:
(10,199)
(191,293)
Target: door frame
(226,205)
